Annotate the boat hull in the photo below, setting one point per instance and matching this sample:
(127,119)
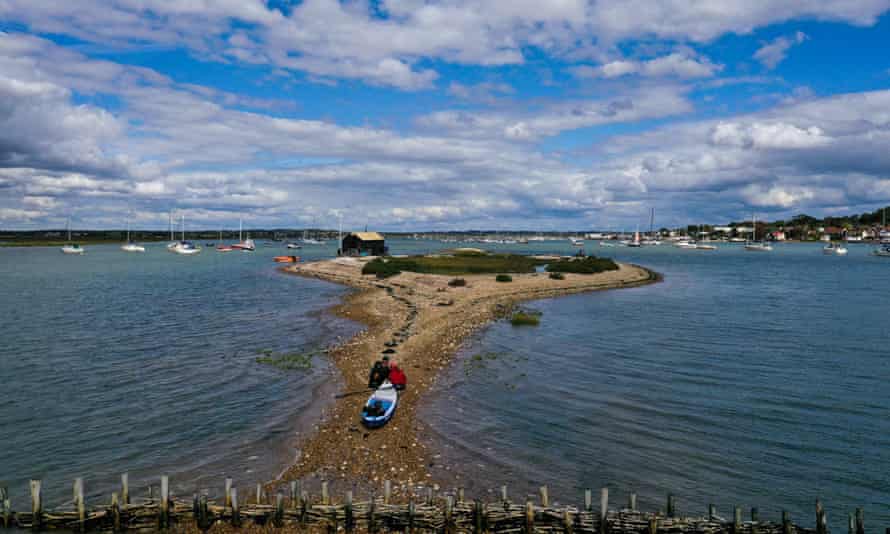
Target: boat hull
(388,398)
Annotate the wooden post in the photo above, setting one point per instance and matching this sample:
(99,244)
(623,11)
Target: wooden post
(820,511)
(259,493)
(206,521)
(567,525)
(460,495)
(4,506)
(588,500)
(164,515)
(545,497)
(325,498)
(860,521)
(477,516)
(79,504)
(670,505)
(737,519)
(653,525)
(278,518)
(712,512)
(786,522)
(604,505)
(294,495)
(236,510)
(529,518)
(851,523)
(504,498)
(755,520)
(228,501)
(125,489)
(387,491)
(304,507)
(632,502)
(350,521)
(449,513)
(372,523)
(429,496)
(36,506)
(115,513)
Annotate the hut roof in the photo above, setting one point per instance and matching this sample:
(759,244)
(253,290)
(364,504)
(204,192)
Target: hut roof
(368,236)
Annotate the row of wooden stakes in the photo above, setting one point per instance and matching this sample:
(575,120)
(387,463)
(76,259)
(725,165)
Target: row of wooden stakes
(446,514)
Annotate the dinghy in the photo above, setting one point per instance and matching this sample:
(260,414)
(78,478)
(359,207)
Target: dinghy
(380,406)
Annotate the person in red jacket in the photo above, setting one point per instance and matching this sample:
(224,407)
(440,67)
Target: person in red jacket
(397,376)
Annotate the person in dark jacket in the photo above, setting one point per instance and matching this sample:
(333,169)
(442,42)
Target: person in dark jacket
(379,373)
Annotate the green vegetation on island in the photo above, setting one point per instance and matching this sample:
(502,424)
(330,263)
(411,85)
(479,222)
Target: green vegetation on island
(525,318)
(456,264)
(585,265)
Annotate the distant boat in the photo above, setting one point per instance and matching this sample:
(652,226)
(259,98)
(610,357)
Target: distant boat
(173,243)
(183,247)
(576,242)
(754,245)
(834,249)
(287,259)
(636,241)
(247,245)
(71,248)
(310,241)
(294,246)
(884,251)
(129,246)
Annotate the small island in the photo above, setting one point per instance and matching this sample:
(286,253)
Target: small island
(419,310)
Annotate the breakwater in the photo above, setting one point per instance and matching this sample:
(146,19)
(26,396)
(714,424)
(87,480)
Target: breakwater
(293,507)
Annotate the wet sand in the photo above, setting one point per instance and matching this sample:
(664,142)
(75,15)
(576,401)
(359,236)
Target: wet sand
(424,321)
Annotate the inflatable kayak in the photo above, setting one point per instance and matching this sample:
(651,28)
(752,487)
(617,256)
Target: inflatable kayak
(381,406)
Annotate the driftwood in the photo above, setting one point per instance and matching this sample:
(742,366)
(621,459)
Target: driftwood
(448,513)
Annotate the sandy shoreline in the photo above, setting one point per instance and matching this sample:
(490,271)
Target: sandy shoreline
(424,321)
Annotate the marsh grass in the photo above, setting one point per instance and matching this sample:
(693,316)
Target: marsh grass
(293,361)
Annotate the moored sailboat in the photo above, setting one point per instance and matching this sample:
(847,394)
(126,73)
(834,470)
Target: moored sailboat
(71,248)
(129,246)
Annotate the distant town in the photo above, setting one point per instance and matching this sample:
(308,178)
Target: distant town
(865,227)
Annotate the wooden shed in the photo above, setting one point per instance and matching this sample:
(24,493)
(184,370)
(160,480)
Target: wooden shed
(363,244)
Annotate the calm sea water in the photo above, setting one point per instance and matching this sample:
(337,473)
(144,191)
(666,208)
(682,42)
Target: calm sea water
(146,363)
(744,379)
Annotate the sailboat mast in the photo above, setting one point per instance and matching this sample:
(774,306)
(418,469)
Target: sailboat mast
(128,228)
(240,226)
(68,227)
(183,227)
(170,221)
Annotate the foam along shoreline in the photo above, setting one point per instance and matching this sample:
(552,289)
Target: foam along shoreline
(424,321)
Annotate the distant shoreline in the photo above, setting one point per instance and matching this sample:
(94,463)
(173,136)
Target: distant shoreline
(424,321)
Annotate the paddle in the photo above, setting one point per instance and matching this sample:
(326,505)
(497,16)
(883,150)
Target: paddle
(350,393)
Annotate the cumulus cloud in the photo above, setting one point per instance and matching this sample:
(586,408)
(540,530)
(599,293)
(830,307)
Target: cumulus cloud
(774,52)
(676,64)
(352,40)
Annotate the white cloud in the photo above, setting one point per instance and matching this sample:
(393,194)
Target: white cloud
(329,38)
(675,64)
(768,135)
(774,52)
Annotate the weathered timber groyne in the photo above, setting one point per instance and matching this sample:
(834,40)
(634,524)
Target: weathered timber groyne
(292,508)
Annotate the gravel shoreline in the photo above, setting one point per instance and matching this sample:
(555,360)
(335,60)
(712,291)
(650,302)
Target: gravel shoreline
(424,321)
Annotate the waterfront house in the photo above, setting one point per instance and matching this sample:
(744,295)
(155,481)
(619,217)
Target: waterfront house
(363,244)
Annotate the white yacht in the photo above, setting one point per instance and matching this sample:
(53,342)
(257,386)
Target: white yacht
(246,245)
(129,246)
(754,245)
(183,247)
(71,248)
(834,249)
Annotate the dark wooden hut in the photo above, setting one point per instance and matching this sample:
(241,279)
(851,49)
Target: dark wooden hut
(363,244)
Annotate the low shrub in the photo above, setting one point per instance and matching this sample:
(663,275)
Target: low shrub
(503,278)
(525,319)
(557,276)
(457,282)
(381,268)
(587,265)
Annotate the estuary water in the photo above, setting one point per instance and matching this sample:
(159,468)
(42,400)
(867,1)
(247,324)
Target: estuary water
(146,363)
(749,379)
(743,379)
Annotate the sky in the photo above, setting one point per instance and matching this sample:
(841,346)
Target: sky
(441,114)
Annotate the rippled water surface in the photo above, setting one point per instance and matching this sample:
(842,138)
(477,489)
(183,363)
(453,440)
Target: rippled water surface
(745,379)
(146,363)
